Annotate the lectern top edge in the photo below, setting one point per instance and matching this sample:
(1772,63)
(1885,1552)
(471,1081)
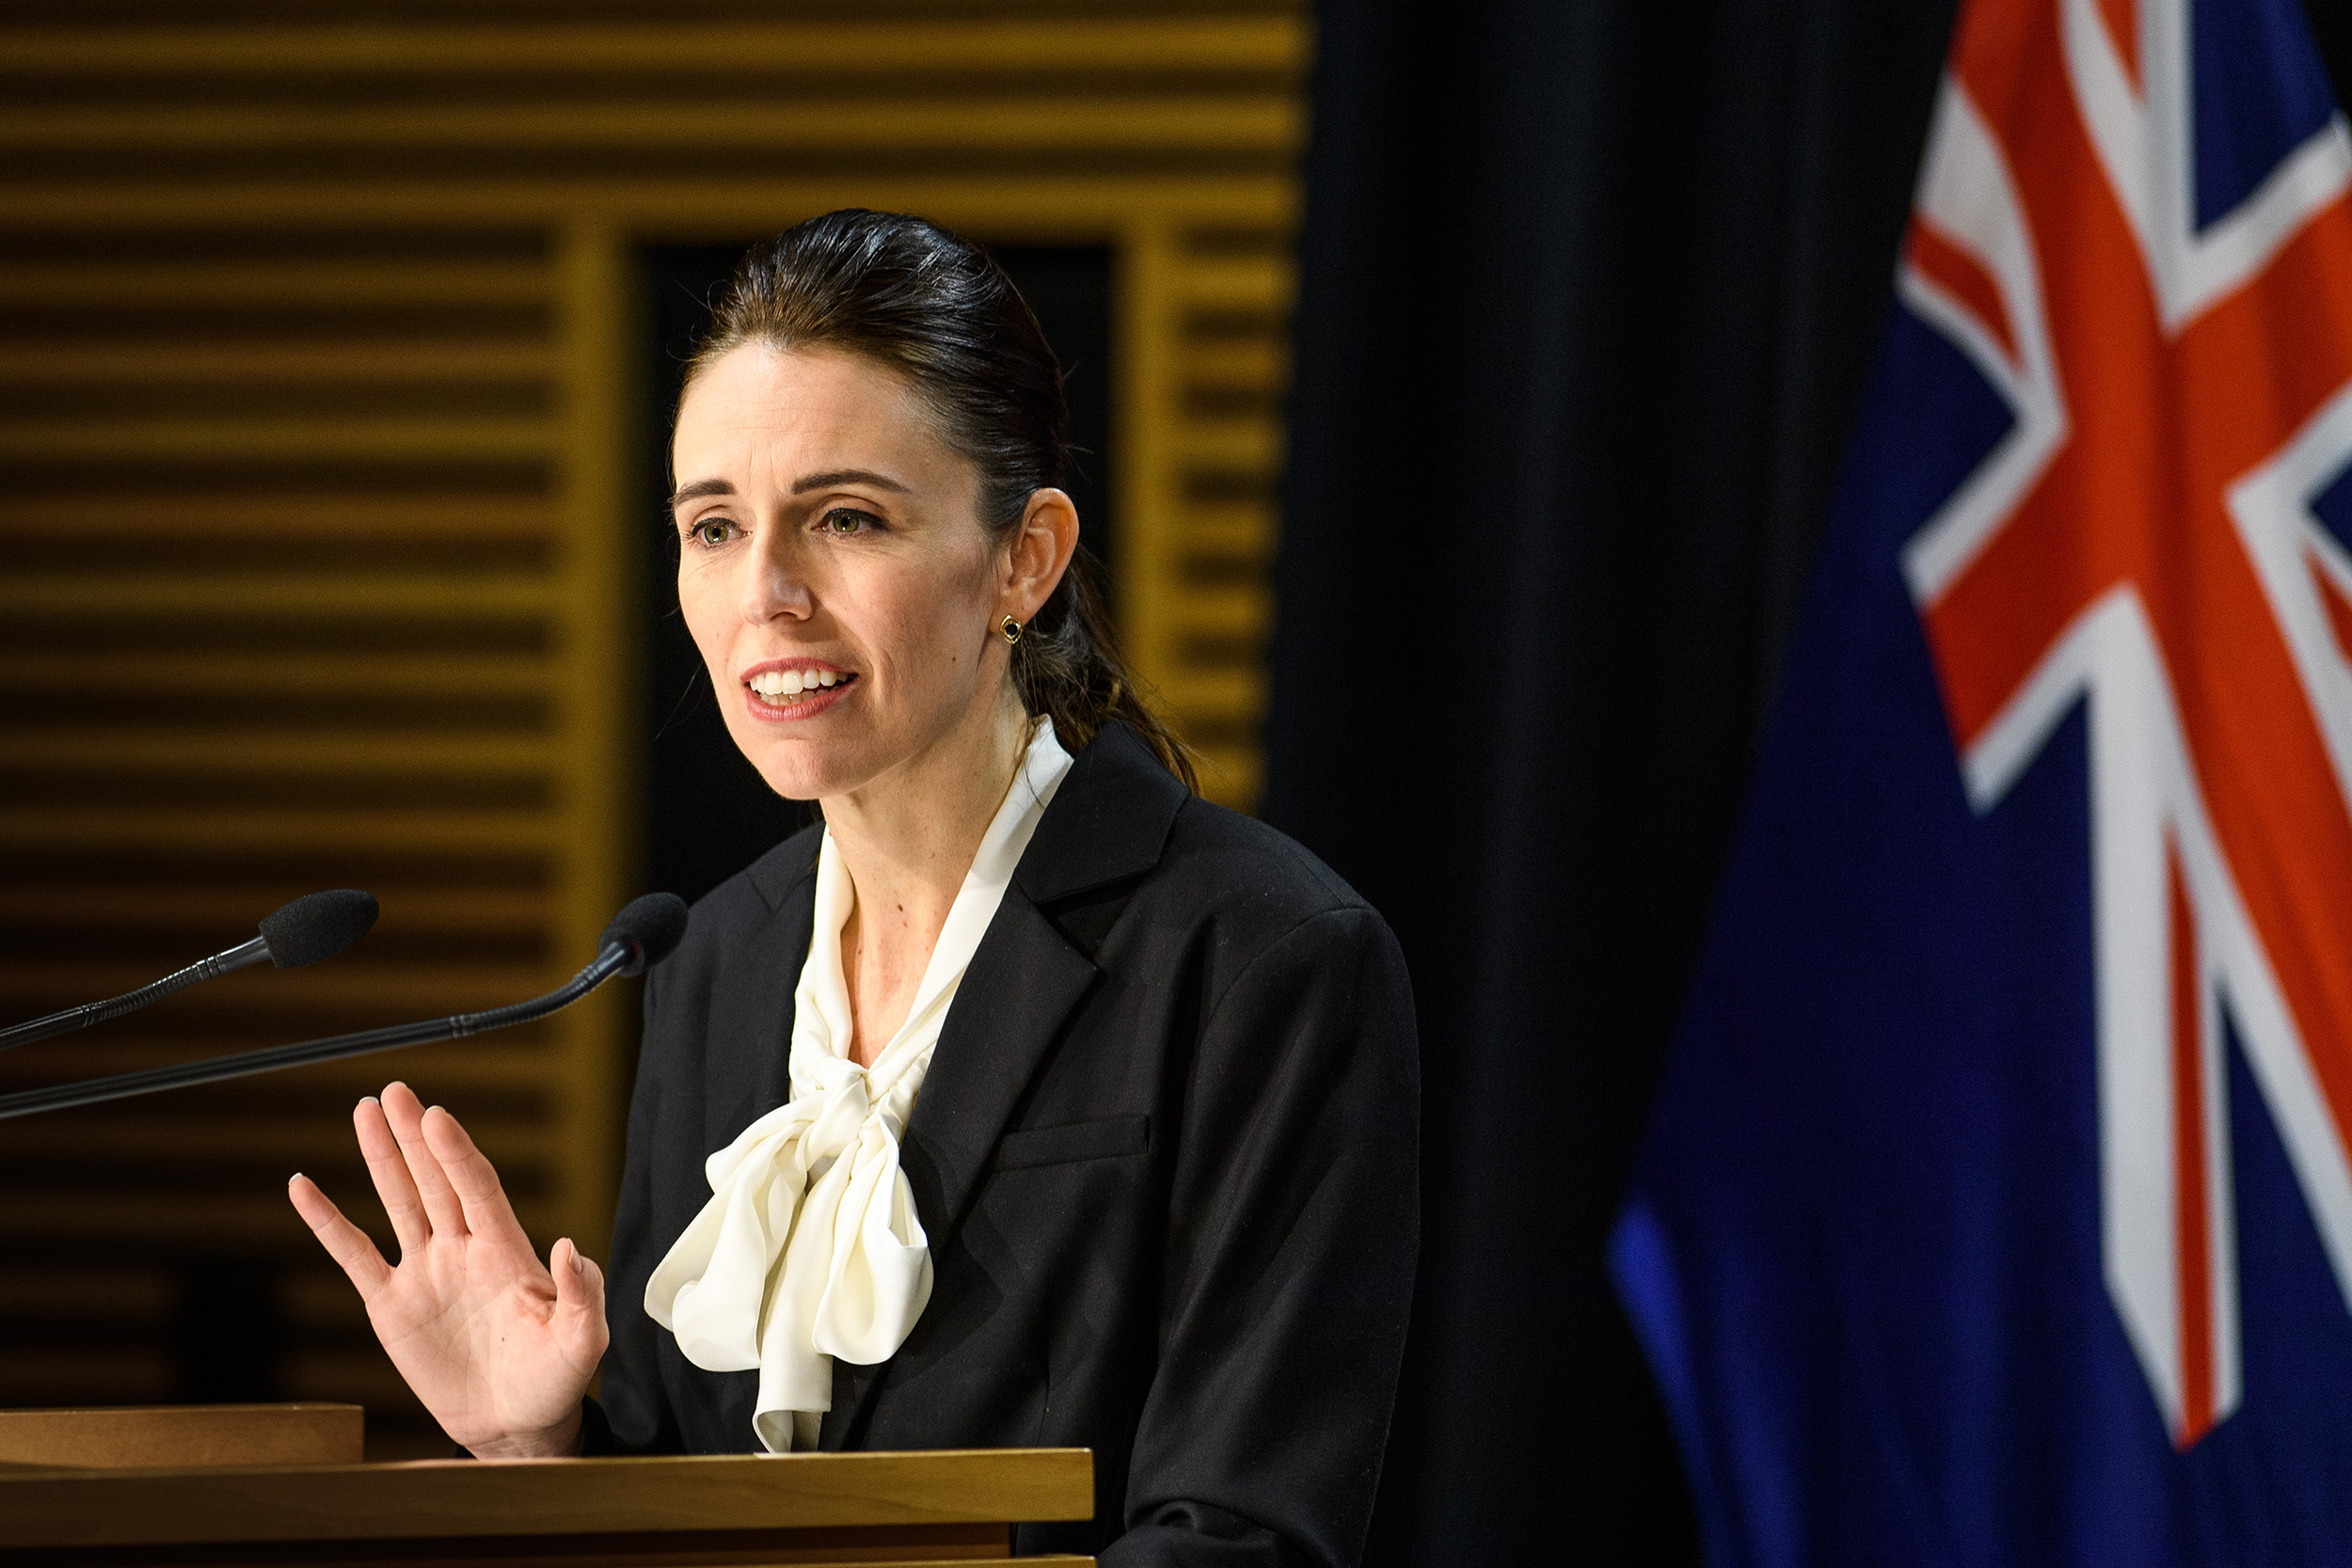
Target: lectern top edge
(111,1412)
(148,1438)
(421,1500)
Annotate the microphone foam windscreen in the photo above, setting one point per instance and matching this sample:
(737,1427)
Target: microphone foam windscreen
(317,925)
(651,927)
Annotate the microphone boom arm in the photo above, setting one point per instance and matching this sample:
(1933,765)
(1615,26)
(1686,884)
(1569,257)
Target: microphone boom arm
(130,1001)
(315,927)
(616,959)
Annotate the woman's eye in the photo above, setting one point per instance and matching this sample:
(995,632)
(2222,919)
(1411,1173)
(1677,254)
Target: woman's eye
(844,520)
(712,531)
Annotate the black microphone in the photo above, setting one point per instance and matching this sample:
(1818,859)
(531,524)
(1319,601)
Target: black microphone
(640,937)
(315,927)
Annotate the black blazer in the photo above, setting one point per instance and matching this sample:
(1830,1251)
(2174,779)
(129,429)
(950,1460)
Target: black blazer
(1165,1155)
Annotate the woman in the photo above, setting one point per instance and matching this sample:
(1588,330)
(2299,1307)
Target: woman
(1028,1100)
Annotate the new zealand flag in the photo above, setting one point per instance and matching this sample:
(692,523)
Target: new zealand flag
(1997,1209)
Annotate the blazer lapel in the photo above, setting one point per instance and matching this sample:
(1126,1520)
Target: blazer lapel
(1108,821)
(747,1061)
(1022,982)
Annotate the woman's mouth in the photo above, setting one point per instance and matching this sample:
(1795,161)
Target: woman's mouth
(796,693)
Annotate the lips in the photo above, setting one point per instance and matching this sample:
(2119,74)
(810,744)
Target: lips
(799,688)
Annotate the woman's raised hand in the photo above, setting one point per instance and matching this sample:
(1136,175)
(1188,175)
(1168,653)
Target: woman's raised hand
(500,1349)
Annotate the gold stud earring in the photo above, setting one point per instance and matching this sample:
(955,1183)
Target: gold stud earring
(1011,628)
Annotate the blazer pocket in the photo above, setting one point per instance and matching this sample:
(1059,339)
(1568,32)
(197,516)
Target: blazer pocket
(1104,1138)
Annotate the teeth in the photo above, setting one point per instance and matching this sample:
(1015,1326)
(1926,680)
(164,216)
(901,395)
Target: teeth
(773,684)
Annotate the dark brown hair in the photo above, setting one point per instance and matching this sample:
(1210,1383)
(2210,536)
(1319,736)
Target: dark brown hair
(938,309)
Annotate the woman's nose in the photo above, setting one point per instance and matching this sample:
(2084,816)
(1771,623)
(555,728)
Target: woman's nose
(775,585)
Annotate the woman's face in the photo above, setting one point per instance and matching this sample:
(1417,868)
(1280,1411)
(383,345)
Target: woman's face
(831,567)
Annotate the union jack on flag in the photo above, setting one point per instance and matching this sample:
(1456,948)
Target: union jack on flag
(1998,1206)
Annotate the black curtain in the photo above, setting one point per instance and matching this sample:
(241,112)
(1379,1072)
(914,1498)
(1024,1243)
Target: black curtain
(1587,298)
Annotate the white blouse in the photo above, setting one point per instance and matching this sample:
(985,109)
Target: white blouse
(810,1247)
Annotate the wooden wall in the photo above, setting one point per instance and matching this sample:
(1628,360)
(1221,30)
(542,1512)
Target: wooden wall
(318,346)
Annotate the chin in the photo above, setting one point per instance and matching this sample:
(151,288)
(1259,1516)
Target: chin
(833,757)
(797,776)
(807,769)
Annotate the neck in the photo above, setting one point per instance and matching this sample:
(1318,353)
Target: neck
(907,840)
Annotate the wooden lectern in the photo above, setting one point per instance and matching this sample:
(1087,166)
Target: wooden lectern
(283,1485)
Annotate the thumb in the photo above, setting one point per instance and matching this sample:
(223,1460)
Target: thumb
(578,1294)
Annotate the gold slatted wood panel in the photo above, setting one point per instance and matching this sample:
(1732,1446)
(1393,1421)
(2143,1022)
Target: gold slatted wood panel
(288,602)
(318,353)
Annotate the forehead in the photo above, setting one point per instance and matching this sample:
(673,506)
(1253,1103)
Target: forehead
(757,405)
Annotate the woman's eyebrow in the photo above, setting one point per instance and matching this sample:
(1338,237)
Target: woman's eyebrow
(847,476)
(700,488)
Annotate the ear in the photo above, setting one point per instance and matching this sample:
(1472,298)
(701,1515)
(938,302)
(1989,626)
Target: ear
(1040,553)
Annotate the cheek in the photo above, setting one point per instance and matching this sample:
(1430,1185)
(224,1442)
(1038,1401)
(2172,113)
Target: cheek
(959,602)
(926,629)
(705,603)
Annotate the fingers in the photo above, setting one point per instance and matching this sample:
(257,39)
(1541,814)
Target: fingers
(344,1241)
(389,1171)
(404,1113)
(474,1179)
